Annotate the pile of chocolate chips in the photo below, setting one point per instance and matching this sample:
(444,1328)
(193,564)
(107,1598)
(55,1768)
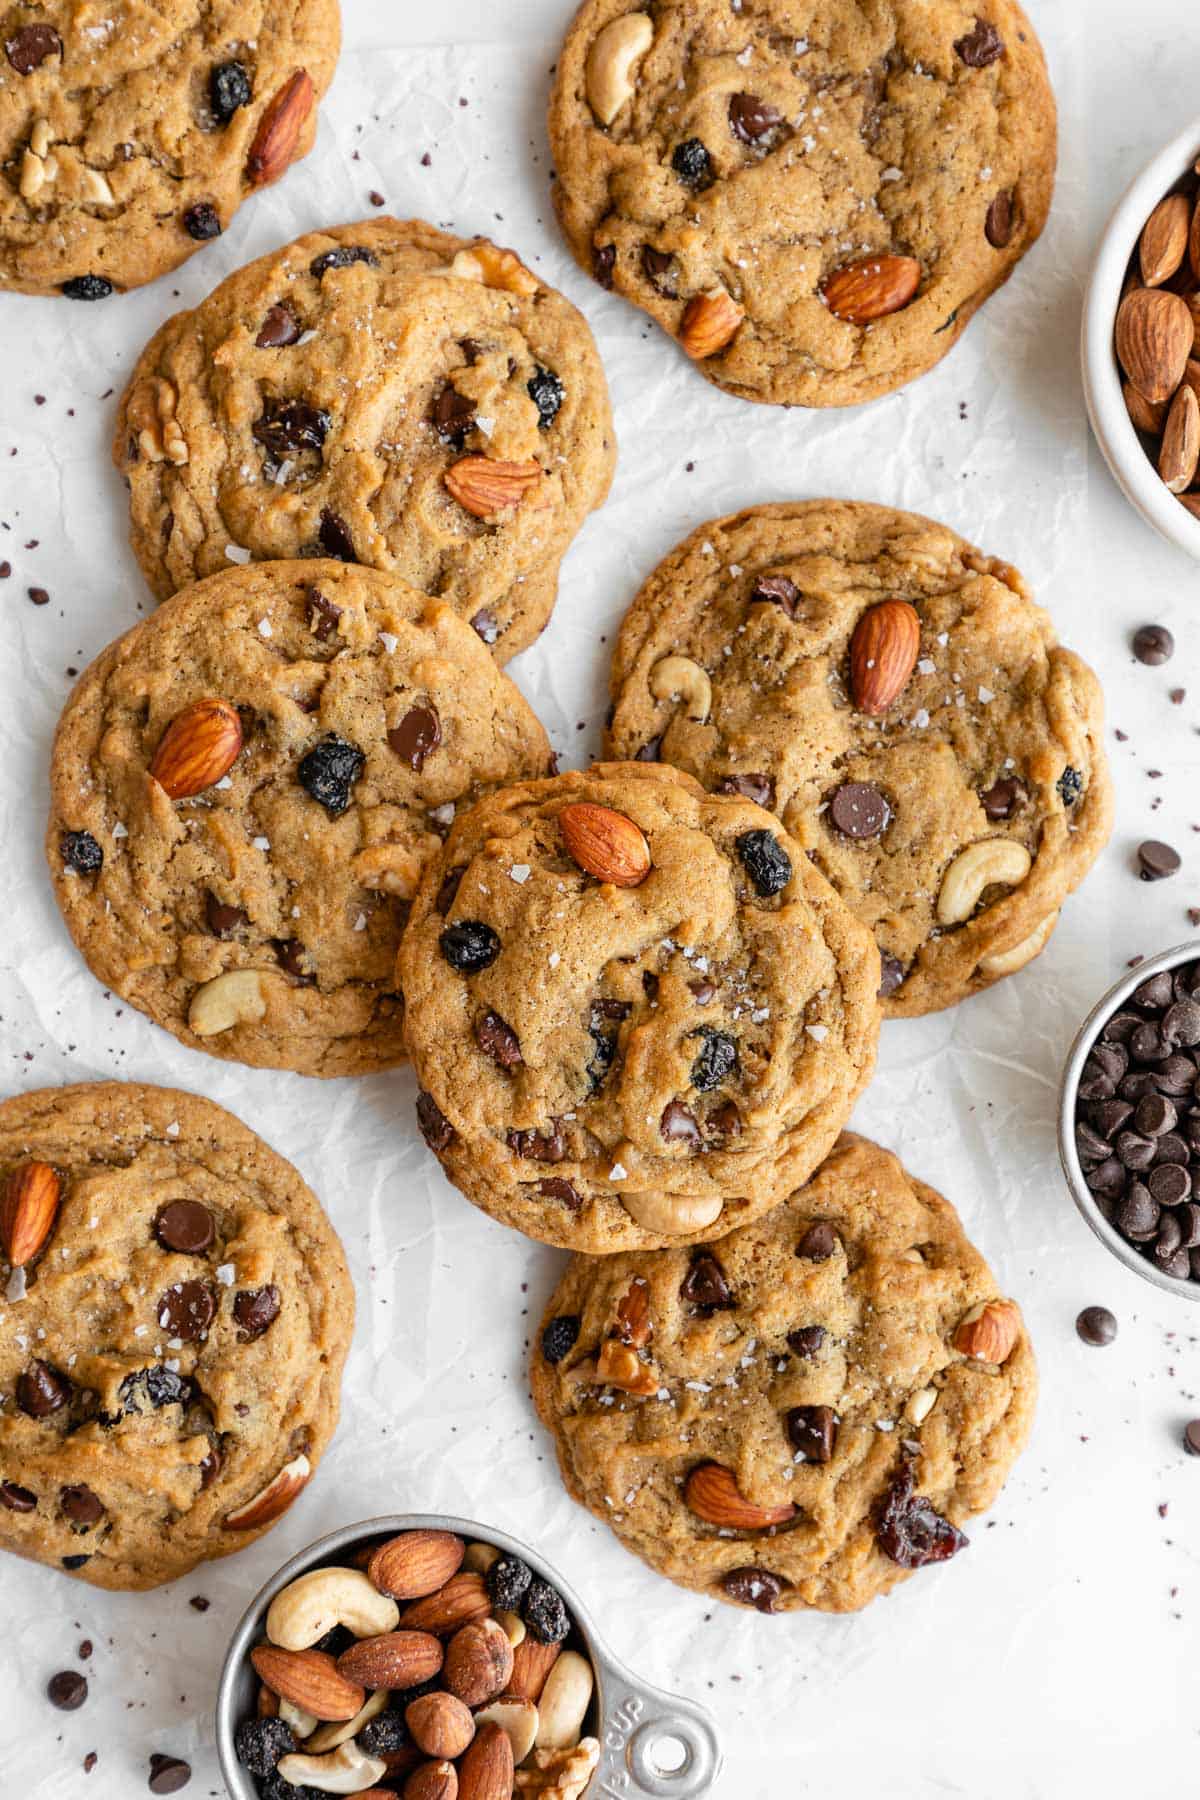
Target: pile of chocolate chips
(1137,1121)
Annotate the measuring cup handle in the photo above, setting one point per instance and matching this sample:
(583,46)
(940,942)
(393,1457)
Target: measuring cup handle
(653,1743)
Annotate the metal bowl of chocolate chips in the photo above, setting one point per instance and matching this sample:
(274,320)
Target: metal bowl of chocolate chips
(1129,1120)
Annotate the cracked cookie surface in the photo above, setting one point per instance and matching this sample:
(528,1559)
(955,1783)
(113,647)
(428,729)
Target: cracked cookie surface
(131,133)
(359,714)
(637,1013)
(991,752)
(809,1355)
(175,1343)
(385,394)
(757,152)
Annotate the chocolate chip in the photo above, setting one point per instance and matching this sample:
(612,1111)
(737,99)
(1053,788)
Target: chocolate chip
(753,1587)
(1154,1115)
(717,1061)
(759,788)
(28,48)
(81,1505)
(818,1243)
(1108,1116)
(211,1467)
(1148,1044)
(1157,860)
(186,1310)
(1189,1219)
(547,392)
(323,615)
(39,596)
(342,258)
(812,1431)
(228,88)
(1155,992)
(536,1146)
(1181,1024)
(87,287)
(981,46)
(222,919)
(497,1039)
(485,625)
(658,266)
(254,1311)
(286,426)
(81,852)
(1003,798)
(436,1128)
(1153,645)
(1096,1326)
(705,991)
(859,810)
(280,328)
(725,1120)
(1090,1145)
(678,1125)
(560,1337)
(1191,1437)
(910,1532)
(1169,1240)
(1001,218)
(75,1562)
(1138,1214)
(1171,1147)
(891,973)
(202,221)
(704,1286)
(693,165)
(469,946)
(604,258)
(751,118)
(453,416)
(451,882)
(185,1226)
(168,1774)
(334,535)
(417,736)
(776,590)
(17,1499)
(1133,1150)
(765,861)
(67,1690)
(329,773)
(806,1341)
(41,1390)
(556,1187)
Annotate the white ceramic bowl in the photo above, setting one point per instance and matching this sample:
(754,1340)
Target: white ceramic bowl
(1115,434)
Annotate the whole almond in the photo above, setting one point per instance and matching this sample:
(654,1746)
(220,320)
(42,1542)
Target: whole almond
(1191,376)
(1192,302)
(1145,416)
(278,135)
(479,1662)
(463,1599)
(432,1781)
(989,1332)
(440,1725)
(392,1659)
(1194,241)
(486,1771)
(710,322)
(1154,338)
(1192,502)
(416,1563)
(871,288)
(272,1500)
(883,655)
(1180,453)
(486,488)
(28,1208)
(1164,241)
(712,1493)
(605,843)
(198,748)
(309,1679)
(532,1663)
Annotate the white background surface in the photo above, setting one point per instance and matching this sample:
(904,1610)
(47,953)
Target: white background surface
(1057,1658)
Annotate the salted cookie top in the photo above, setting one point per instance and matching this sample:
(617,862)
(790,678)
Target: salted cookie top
(637,1013)
(813,196)
(899,701)
(177,1314)
(244,790)
(802,1413)
(131,133)
(384,394)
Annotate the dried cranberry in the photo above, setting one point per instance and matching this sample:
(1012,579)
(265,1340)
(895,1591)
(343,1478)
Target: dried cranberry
(910,1531)
(202,221)
(290,425)
(148,1389)
(1070,786)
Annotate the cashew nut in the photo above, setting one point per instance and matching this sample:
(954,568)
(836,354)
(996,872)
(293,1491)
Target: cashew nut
(991,861)
(347,1771)
(678,677)
(564,1702)
(512,1625)
(610,63)
(95,188)
(235,998)
(517,1718)
(1007,962)
(330,1737)
(480,1557)
(920,1405)
(314,1603)
(672,1213)
(302,1723)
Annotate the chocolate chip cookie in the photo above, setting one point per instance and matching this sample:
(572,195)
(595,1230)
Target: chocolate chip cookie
(177,1313)
(900,702)
(131,134)
(384,394)
(638,1014)
(245,789)
(812,196)
(803,1412)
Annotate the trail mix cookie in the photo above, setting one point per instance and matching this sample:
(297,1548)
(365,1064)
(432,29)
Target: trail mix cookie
(813,197)
(637,1013)
(800,1413)
(178,1310)
(900,702)
(244,790)
(384,394)
(131,134)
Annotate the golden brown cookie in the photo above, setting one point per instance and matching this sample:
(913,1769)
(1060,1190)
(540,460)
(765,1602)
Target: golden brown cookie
(384,394)
(177,1313)
(131,133)
(802,1412)
(899,701)
(244,790)
(637,1013)
(813,196)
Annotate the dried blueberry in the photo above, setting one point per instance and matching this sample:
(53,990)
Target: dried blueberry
(559,1337)
(545,1613)
(910,1531)
(81,852)
(547,393)
(341,258)
(202,221)
(330,771)
(718,1059)
(385,1733)
(228,88)
(469,946)
(87,287)
(259,1743)
(1070,786)
(75,1562)
(151,1388)
(765,860)
(290,425)
(507,1581)
(693,165)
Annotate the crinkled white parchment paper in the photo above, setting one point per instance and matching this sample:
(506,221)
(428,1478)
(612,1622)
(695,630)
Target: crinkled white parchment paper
(1057,1657)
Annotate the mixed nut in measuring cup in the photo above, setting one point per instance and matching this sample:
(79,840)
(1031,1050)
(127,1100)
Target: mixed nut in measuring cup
(424,1666)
